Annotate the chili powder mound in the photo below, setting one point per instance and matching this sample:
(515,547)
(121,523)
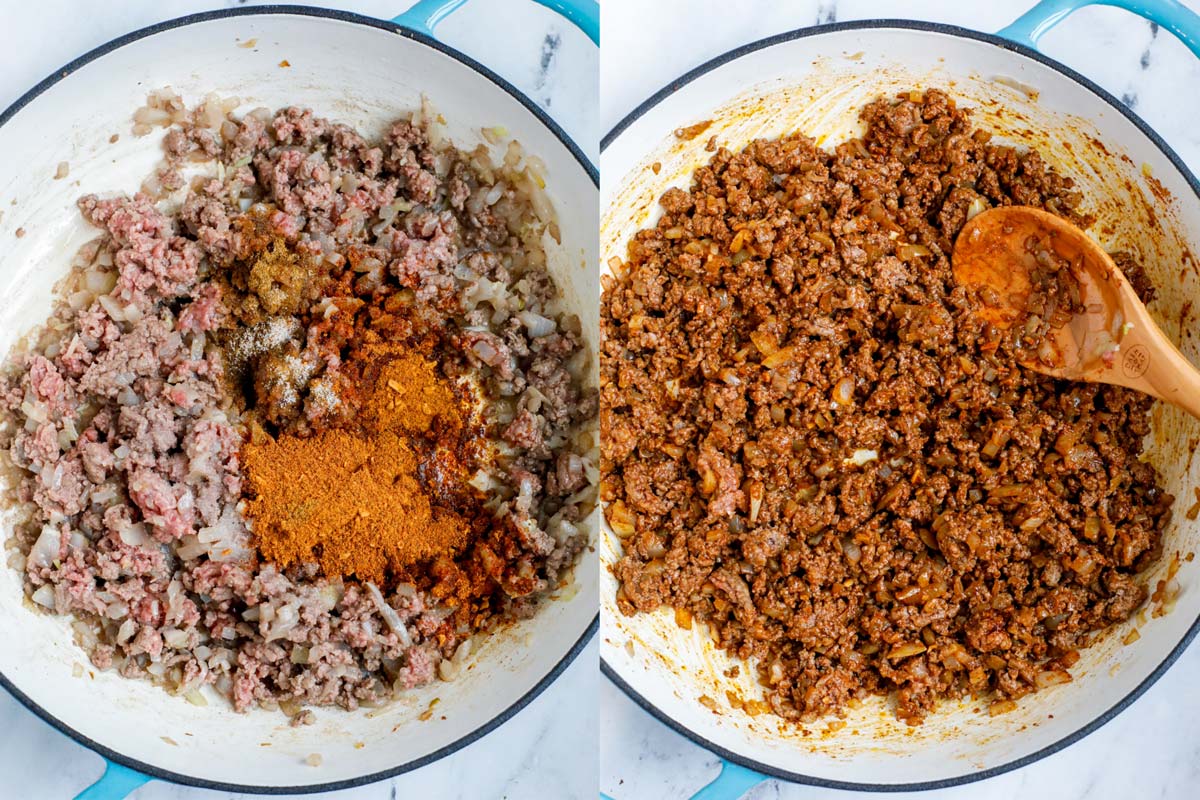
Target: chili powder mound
(353,500)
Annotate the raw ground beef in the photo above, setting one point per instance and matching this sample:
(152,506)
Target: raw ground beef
(126,434)
(811,446)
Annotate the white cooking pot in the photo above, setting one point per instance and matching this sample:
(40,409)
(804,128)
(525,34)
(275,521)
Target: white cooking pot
(815,80)
(356,70)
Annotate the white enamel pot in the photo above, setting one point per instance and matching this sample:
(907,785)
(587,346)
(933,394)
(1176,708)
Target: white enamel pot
(815,80)
(355,70)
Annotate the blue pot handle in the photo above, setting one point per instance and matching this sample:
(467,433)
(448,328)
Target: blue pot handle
(116,783)
(733,782)
(1169,14)
(425,15)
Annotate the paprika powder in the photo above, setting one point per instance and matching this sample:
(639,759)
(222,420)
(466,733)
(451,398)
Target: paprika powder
(353,500)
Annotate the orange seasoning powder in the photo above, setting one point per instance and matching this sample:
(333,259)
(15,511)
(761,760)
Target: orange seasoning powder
(352,500)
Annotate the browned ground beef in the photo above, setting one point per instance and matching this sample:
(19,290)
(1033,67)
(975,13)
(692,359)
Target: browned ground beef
(795,308)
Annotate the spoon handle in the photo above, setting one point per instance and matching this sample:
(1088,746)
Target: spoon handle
(1150,362)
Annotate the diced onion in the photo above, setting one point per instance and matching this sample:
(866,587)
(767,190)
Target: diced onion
(1052,677)
(134,535)
(175,638)
(44,596)
(34,411)
(852,551)
(112,307)
(45,550)
(906,251)
(537,325)
(905,650)
(99,281)
(978,206)
(860,457)
(448,670)
(389,615)
(126,631)
(781,356)
(843,391)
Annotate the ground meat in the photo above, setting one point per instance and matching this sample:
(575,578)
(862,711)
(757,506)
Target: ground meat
(182,330)
(524,431)
(810,444)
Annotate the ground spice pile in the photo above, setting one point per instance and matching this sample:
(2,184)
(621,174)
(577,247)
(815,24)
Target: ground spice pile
(267,286)
(354,501)
(267,277)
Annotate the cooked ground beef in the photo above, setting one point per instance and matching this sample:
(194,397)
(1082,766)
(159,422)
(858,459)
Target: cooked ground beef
(125,426)
(1037,324)
(1053,300)
(810,445)
(1030,299)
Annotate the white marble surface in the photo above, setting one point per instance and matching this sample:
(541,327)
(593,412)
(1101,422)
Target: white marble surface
(1152,750)
(547,750)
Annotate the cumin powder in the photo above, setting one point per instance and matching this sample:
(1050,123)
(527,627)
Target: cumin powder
(352,500)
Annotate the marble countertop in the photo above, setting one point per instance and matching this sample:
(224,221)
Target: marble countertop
(537,753)
(1153,748)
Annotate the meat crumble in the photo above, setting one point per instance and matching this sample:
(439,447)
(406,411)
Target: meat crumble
(812,446)
(255,259)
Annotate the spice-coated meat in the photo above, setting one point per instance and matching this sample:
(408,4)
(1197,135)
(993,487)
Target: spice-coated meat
(810,445)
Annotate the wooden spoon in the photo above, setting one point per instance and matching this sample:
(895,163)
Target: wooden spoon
(1113,340)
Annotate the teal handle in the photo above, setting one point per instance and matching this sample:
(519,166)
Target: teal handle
(425,15)
(733,782)
(1169,14)
(116,783)
(583,14)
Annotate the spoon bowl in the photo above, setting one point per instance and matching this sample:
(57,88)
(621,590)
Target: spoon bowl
(1102,333)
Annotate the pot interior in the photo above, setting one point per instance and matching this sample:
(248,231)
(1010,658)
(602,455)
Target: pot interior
(352,73)
(1143,203)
